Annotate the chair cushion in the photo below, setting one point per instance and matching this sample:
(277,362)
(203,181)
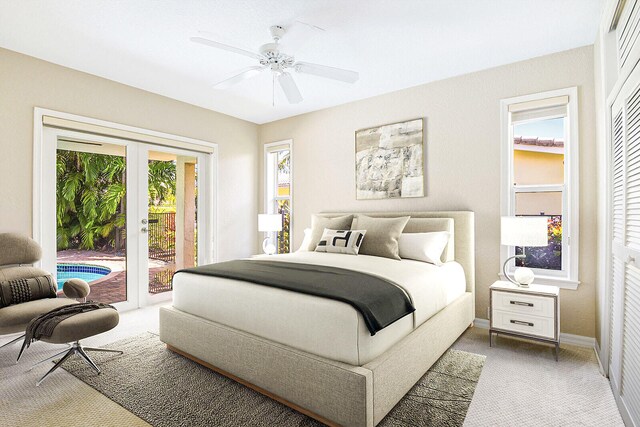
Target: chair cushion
(84,325)
(15,318)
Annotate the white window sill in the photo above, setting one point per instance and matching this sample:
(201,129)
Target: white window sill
(560,282)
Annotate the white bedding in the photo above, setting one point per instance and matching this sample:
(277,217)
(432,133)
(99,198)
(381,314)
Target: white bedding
(320,326)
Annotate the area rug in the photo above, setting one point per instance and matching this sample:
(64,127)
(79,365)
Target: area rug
(166,389)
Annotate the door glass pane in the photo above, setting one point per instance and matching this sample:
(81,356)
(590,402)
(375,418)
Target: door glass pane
(538,155)
(284,208)
(91,218)
(172,221)
(282,172)
(283,198)
(548,204)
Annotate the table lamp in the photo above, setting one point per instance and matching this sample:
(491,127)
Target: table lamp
(269,223)
(524,231)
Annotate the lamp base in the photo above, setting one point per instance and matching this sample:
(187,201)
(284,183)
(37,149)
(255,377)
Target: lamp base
(523,276)
(268,247)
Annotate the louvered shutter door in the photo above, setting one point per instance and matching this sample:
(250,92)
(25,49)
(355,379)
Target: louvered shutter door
(630,387)
(617,270)
(632,167)
(624,339)
(627,33)
(630,372)
(617,253)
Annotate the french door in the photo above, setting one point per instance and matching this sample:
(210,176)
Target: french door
(624,264)
(123,215)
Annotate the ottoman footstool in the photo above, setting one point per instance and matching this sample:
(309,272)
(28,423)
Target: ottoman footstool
(76,328)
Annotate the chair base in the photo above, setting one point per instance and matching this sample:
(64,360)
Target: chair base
(76,348)
(13,341)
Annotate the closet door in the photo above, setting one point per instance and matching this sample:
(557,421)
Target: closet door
(624,363)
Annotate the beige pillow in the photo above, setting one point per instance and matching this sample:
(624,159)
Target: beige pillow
(319,223)
(382,235)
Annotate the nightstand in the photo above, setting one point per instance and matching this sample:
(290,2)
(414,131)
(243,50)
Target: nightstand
(532,312)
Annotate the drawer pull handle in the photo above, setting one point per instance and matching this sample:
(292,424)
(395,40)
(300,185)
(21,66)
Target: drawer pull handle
(519,322)
(526,304)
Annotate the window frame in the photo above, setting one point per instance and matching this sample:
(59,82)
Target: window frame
(270,192)
(567,278)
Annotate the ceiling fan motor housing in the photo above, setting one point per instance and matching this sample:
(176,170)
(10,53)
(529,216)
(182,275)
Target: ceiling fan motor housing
(273,58)
(277,31)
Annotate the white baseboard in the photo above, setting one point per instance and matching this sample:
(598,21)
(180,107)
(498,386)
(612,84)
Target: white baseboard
(596,349)
(481,323)
(577,340)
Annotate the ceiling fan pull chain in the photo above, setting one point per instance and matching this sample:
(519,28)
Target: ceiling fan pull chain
(273,89)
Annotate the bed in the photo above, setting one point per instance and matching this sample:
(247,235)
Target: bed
(315,354)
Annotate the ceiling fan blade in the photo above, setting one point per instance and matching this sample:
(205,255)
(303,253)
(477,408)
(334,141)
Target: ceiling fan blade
(226,47)
(245,74)
(327,72)
(290,88)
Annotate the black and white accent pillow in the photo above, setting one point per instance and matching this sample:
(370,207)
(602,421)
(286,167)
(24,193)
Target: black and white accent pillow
(341,241)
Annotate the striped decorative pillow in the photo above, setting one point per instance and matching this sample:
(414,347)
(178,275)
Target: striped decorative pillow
(341,241)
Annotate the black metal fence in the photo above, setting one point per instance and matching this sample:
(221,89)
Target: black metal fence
(162,236)
(162,247)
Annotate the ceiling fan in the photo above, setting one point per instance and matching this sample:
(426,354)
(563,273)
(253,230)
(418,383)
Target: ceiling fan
(271,58)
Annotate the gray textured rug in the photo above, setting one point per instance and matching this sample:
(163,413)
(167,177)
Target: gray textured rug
(166,389)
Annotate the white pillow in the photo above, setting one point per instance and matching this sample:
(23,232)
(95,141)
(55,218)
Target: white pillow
(341,241)
(426,247)
(304,247)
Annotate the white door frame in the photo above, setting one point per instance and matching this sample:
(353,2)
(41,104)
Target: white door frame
(44,178)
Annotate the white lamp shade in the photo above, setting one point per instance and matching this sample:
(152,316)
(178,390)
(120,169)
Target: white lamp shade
(524,231)
(269,222)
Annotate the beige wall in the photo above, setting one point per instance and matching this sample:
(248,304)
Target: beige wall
(26,82)
(462,159)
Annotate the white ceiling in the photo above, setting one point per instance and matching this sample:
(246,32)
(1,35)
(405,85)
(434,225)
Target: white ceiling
(393,44)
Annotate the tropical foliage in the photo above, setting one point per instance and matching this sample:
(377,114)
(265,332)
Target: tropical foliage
(90,198)
(546,257)
(284,206)
(90,193)
(162,182)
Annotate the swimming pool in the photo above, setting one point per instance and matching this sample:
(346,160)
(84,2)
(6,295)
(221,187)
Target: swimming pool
(86,272)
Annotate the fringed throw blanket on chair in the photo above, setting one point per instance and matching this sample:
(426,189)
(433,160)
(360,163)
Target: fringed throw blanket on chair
(44,325)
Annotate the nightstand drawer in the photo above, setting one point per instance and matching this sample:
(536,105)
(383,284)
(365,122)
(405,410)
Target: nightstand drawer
(526,304)
(523,323)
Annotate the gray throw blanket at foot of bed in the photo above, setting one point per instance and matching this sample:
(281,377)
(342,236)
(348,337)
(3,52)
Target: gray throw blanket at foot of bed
(44,325)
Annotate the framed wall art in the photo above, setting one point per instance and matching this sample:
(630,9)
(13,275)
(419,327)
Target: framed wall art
(390,161)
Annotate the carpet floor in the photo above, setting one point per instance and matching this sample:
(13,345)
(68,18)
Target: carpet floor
(521,385)
(166,389)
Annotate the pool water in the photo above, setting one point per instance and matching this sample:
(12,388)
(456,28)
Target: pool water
(86,272)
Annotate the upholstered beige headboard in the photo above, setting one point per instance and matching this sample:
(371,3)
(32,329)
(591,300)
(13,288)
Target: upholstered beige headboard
(463,247)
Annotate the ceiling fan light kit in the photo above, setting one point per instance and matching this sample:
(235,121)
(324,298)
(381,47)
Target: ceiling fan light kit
(270,57)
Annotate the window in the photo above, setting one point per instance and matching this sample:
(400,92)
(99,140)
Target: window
(540,178)
(278,189)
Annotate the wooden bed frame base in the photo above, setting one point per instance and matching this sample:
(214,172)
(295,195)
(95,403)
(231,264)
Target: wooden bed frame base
(254,387)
